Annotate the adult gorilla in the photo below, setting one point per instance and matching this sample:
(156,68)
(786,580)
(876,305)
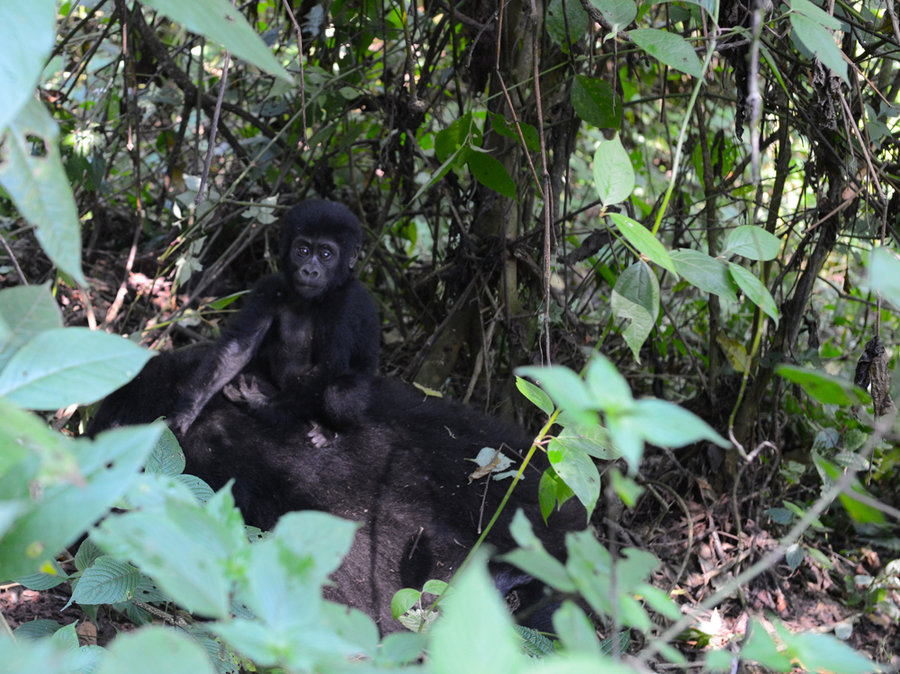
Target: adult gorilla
(402,474)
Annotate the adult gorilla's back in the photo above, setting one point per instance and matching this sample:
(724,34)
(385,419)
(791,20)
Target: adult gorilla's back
(402,474)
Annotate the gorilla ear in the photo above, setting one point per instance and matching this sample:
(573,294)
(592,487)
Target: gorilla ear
(352,258)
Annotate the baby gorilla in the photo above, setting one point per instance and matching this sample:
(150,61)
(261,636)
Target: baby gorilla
(307,338)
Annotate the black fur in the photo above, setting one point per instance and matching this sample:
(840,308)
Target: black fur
(402,475)
(309,334)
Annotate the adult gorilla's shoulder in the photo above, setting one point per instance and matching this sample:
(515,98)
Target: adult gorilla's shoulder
(402,474)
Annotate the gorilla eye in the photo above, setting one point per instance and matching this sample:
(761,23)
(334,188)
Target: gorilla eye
(303,250)
(327,253)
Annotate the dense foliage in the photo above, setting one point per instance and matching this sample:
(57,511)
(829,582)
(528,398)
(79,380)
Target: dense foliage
(703,192)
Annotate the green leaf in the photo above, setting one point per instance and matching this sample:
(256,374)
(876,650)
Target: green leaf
(491,173)
(509,130)
(641,238)
(823,652)
(108,465)
(167,457)
(884,274)
(636,299)
(222,23)
(596,102)
(707,273)
(151,650)
(552,490)
(818,40)
(575,630)
(70,365)
(593,440)
(475,616)
(26,33)
(566,23)
(826,388)
(668,48)
(403,600)
(576,469)
(537,397)
(752,242)
(435,586)
(566,389)
(108,581)
(628,438)
(196,575)
(753,288)
(400,648)
(609,391)
(613,173)
(31,171)
(25,311)
(627,489)
(618,13)
(815,13)
(533,558)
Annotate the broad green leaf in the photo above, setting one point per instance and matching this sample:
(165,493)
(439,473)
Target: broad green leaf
(859,511)
(608,389)
(824,387)
(475,616)
(566,388)
(107,581)
(403,600)
(552,491)
(645,243)
(435,587)
(37,655)
(618,13)
(823,652)
(456,136)
(884,274)
(818,40)
(60,367)
(707,273)
(108,465)
(635,297)
(566,23)
(575,629)
(668,425)
(576,469)
(36,629)
(613,173)
(509,130)
(487,170)
(628,438)
(531,557)
(167,457)
(596,102)
(197,574)
(593,440)
(32,173)
(752,242)
(222,23)
(755,291)
(668,48)
(627,489)
(25,311)
(44,580)
(537,397)
(26,33)
(154,649)
(815,13)
(400,648)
